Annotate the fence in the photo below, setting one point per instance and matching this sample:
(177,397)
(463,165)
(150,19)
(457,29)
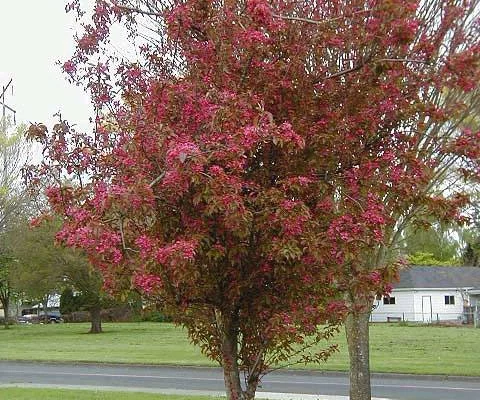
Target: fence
(469,316)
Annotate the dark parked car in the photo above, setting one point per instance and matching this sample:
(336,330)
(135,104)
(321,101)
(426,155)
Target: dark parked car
(53,318)
(40,319)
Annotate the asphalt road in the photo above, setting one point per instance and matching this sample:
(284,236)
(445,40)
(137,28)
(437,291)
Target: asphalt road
(210,379)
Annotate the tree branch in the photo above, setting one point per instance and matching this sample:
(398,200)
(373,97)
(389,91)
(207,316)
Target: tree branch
(402,60)
(137,10)
(345,71)
(320,22)
(124,246)
(157,179)
(365,62)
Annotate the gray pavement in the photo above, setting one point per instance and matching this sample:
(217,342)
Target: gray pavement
(281,385)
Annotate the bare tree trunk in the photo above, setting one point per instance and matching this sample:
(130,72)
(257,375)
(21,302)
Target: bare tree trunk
(356,327)
(96,320)
(231,374)
(45,308)
(228,330)
(6,311)
(252,385)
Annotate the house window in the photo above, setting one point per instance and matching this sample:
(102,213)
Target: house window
(449,299)
(389,300)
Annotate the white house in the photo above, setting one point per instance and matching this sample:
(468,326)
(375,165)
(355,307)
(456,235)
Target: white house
(430,294)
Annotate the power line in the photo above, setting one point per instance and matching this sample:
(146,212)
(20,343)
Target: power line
(5,107)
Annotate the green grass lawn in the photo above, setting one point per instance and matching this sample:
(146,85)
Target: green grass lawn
(143,343)
(66,394)
(394,348)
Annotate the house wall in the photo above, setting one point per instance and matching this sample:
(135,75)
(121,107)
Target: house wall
(439,310)
(420,305)
(11,311)
(403,307)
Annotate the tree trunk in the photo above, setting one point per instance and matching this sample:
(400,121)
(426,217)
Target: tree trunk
(356,327)
(96,320)
(228,330)
(45,309)
(231,374)
(252,385)
(6,311)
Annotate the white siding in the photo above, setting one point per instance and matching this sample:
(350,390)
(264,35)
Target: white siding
(439,310)
(420,305)
(403,307)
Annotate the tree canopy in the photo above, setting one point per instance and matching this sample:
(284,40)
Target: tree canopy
(251,167)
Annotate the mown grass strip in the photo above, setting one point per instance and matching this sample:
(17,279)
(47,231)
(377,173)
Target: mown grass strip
(68,394)
(394,348)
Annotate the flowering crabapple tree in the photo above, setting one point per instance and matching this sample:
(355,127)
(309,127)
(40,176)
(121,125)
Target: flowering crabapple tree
(249,168)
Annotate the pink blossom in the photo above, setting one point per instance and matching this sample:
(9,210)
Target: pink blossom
(336,306)
(288,205)
(250,136)
(54,194)
(117,256)
(375,277)
(388,288)
(259,10)
(304,180)
(161,255)
(251,36)
(176,182)
(148,283)
(184,250)
(100,196)
(180,151)
(288,135)
(326,205)
(69,67)
(80,215)
(145,244)
(216,170)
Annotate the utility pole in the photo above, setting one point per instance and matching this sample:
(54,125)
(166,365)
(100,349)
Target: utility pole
(5,107)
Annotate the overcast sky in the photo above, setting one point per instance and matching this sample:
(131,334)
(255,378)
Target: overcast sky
(34,34)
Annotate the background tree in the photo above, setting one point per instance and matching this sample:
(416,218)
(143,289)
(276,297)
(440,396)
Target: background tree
(471,253)
(36,273)
(14,153)
(261,158)
(43,269)
(432,245)
(68,301)
(80,275)
(471,234)
(7,291)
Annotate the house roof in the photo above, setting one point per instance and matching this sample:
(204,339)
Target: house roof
(439,277)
